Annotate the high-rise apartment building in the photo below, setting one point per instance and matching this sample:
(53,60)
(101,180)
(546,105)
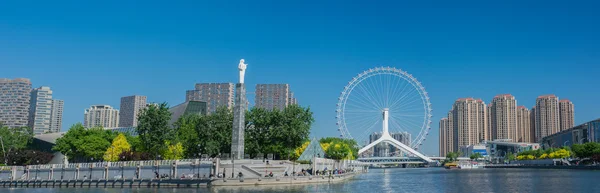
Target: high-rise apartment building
(131,106)
(214,94)
(546,116)
(292,100)
(40,110)
(567,114)
(523,125)
(387,150)
(273,96)
(15,102)
(469,121)
(444,137)
(532,125)
(56,115)
(101,115)
(503,114)
(452,135)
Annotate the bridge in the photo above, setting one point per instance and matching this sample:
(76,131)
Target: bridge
(403,160)
(392,160)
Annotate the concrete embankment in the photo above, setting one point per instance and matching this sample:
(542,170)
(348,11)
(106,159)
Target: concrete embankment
(283,181)
(105,183)
(548,167)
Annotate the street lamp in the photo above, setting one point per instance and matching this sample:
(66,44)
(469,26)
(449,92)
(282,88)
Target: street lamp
(37,168)
(232,164)
(565,143)
(4,152)
(122,169)
(581,140)
(91,165)
(198,166)
(158,167)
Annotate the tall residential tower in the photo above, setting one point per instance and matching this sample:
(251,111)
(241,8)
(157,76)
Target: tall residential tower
(56,115)
(503,117)
(130,108)
(523,125)
(40,110)
(214,94)
(14,102)
(469,121)
(546,116)
(101,115)
(567,114)
(273,96)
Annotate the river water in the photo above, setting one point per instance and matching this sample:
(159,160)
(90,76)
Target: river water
(427,180)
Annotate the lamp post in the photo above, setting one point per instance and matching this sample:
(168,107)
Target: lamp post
(4,152)
(565,143)
(158,167)
(198,166)
(37,169)
(91,166)
(232,164)
(123,169)
(581,140)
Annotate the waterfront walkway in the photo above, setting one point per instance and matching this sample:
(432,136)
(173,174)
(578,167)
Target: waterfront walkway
(124,183)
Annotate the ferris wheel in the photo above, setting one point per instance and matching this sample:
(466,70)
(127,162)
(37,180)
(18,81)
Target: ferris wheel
(402,99)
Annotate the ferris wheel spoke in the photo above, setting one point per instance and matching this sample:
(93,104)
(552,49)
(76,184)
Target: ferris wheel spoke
(403,95)
(362,99)
(371,82)
(413,100)
(355,104)
(368,94)
(397,126)
(402,88)
(370,130)
(388,89)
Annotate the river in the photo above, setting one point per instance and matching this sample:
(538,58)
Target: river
(427,180)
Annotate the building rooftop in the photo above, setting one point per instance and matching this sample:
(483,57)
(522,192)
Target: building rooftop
(547,96)
(564,100)
(503,95)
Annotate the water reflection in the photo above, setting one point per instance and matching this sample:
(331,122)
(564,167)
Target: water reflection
(429,180)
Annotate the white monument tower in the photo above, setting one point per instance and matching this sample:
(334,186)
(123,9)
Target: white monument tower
(239,112)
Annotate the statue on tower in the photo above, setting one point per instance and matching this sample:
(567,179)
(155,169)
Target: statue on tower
(242,68)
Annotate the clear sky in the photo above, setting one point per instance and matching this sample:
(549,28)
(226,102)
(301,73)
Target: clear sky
(96,52)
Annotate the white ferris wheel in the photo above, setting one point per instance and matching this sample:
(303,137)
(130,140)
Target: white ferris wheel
(392,92)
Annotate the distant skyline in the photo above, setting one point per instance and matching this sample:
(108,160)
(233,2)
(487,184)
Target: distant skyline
(92,53)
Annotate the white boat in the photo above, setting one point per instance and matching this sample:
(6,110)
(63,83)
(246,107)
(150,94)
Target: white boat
(469,165)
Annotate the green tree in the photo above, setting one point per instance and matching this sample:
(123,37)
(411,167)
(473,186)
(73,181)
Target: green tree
(510,156)
(350,143)
(259,130)
(15,138)
(586,150)
(83,143)
(217,132)
(187,133)
(173,151)
(278,132)
(338,151)
(476,156)
(153,128)
(452,156)
(118,146)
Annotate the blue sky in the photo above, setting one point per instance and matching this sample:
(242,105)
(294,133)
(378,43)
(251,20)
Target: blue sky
(96,52)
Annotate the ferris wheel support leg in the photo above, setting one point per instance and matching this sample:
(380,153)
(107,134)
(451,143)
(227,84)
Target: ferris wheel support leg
(386,138)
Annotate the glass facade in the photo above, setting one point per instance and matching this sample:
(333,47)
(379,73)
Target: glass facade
(587,132)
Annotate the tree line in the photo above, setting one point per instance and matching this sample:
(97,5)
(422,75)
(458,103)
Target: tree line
(17,147)
(277,132)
